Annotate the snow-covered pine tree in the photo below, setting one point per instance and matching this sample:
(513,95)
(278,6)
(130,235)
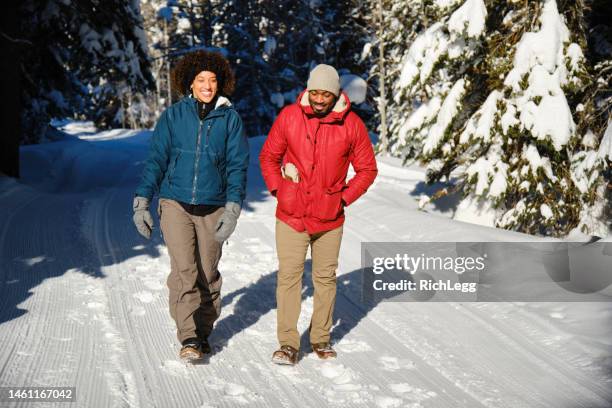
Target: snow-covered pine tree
(273,45)
(520,156)
(241,30)
(80,54)
(391,25)
(434,74)
(340,32)
(158,43)
(591,167)
(502,98)
(245,31)
(175,27)
(511,151)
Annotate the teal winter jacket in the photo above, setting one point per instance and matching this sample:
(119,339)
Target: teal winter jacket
(197,161)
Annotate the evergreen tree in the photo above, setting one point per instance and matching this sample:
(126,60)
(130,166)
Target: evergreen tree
(82,57)
(393,25)
(273,46)
(508,99)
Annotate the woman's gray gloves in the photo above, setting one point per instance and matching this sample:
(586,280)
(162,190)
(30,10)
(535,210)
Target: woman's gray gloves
(224,228)
(142,217)
(227,222)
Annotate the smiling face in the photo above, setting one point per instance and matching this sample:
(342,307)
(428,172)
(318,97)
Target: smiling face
(205,86)
(321,101)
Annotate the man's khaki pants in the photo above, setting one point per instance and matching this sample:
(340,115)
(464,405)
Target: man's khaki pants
(291,247)
(194,281)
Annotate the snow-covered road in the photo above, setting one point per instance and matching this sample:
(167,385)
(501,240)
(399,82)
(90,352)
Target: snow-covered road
(83,303)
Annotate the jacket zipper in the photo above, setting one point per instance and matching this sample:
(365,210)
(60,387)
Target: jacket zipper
(196,163)
(197,160)
(208,134)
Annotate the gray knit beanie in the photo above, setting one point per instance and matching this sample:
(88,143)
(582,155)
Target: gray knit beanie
(325,78)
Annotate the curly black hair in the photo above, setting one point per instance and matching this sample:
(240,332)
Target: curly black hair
(188,67)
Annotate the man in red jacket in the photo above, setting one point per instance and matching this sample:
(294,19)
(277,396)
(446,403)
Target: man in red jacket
(305,162)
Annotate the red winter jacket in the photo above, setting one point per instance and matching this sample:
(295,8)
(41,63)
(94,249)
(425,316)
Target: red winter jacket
(321,149)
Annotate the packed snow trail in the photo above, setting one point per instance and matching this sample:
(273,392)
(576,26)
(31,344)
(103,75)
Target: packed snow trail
(84,304)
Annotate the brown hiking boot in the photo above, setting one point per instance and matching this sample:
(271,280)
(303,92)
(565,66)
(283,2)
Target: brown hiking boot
(324,350)
(286,355)
(191,352)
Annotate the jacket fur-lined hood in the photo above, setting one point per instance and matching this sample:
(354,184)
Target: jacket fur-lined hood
(221,101)
(338,112)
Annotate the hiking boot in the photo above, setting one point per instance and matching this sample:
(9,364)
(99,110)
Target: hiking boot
(191,352)
(324,350)
(286,355)
(193,349)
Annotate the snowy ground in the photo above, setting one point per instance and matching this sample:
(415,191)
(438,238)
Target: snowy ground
(83,303)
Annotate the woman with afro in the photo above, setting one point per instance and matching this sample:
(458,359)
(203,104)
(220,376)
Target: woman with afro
(197,164)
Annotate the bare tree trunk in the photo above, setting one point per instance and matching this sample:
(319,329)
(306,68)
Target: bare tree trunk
(192,23)
(424,14)
(123,110)
(382,102)
(158,69)
(129,105)
(168,81)
(206,20)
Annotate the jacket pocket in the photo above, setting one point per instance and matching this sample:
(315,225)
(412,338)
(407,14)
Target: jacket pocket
(329,207)
(173,167)
(210,174)
(287,197)
(221,174)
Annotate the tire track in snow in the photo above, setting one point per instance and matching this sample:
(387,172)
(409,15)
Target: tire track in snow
(572,383)
(48,341)
(10,213)
(287,385)
(167,381)
(562,371)
(367,371)
(120,376)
